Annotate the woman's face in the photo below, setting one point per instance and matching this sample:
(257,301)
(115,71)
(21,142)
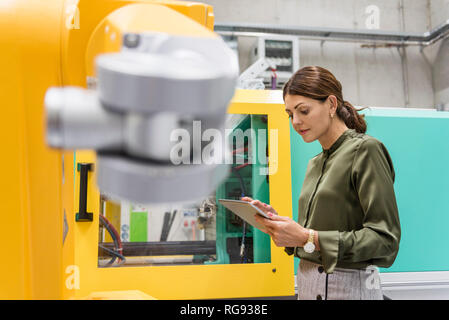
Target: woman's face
(309,117)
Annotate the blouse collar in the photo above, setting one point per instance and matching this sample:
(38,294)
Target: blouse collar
(338,142)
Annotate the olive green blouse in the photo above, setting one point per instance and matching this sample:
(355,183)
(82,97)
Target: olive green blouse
(348,197)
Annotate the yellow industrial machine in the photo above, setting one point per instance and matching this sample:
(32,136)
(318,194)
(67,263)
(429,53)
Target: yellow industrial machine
(49,251)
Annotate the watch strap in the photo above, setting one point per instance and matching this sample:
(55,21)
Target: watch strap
(311,235)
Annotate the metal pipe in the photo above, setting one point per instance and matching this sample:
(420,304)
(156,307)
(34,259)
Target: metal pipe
(336,34)
(403,54)
(429,65)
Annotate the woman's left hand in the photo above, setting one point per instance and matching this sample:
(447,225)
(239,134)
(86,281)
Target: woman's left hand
(284,231)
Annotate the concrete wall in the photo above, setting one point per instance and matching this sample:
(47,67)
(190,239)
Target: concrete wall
(441,76)
(370,76)
(440,65)
(439,12)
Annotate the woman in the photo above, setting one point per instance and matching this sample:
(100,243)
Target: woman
(348,218)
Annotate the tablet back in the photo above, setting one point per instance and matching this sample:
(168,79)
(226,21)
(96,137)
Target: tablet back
(244,210)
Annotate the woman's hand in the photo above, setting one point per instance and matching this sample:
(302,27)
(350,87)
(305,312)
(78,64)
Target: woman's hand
(263,206)
(284,231)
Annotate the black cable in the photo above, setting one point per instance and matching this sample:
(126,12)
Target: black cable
(116,243)
(242,184)
(113,252)
(171,221)
(244,227)
(168,222)
(165,226)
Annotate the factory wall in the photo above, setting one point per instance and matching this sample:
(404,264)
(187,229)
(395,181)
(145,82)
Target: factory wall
(371,76)
(439,13)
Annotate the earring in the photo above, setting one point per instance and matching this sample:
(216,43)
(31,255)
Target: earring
(332,115)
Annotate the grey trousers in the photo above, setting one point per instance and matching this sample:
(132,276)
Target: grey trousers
(342,284)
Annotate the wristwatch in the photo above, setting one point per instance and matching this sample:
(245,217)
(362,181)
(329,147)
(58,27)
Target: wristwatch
(309,247)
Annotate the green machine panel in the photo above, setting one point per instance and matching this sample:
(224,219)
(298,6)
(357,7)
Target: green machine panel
(244,180)
(418,142)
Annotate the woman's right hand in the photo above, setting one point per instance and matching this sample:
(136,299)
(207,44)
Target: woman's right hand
(259,204)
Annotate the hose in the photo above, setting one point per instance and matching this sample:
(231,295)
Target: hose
(117,242)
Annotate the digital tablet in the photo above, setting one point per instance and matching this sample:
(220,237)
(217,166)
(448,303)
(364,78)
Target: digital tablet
(244,210)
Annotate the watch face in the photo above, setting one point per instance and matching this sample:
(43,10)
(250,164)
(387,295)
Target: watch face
(309,247)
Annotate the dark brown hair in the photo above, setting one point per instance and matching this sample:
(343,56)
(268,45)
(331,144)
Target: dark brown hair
(318,83)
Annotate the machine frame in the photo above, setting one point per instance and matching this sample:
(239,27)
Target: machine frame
(190,281)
